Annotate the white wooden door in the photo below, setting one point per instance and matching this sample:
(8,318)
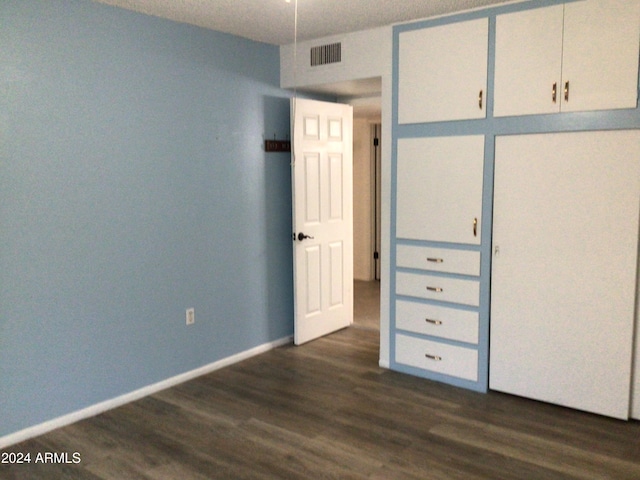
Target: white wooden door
(443,72)
(528,62)
(322,217)
(440,189)
(563,279)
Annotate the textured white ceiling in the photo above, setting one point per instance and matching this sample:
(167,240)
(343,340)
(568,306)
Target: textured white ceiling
(272,21)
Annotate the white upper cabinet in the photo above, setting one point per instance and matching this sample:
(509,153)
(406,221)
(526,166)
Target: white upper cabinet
(443,72)
(575,57)
(528,62)
(440,188)
(600,54)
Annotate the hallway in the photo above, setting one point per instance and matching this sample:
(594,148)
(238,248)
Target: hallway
(366,304)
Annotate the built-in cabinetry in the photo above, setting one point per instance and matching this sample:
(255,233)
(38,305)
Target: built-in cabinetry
(438,227)
(550,283)
(573,57)
(563,278)
(443,72)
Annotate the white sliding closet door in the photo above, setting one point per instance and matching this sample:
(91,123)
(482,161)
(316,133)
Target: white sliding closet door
(565,246)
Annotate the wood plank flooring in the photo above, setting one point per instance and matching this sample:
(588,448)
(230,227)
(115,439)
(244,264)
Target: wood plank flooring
(326,411)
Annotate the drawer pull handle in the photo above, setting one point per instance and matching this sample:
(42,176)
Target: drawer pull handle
(480,100)
(434,260)
(433,322)
(475,227)
(566,91)
(433,357)
(554,92)
(434,289)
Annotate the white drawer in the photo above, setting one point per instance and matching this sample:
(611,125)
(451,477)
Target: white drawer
(444,322)
(439,259)
(432,287)
(437,357)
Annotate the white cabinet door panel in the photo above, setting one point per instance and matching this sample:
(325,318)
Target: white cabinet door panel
(442,72)
(528,62)
(563,282)
(439,188)
(600,54)
(589,50)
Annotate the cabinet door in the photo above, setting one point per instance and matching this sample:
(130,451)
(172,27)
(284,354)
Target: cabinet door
(442,72)
(439,188)
(574,57)
(528,62)
(563,279)
(600,54)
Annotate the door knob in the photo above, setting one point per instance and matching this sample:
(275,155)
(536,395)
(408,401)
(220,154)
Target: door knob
(302,236)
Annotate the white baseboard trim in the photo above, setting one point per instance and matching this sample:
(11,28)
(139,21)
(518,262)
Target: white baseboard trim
(383,363)
(101,407)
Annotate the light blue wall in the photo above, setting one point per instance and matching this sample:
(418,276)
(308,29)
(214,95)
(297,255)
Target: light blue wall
(133,184)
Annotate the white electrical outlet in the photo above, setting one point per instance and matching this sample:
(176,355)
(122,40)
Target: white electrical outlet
(191,316)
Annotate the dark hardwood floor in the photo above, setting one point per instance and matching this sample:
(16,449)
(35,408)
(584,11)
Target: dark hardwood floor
(325,410)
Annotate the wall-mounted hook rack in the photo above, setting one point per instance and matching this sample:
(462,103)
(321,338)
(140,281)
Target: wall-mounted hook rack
(277,145)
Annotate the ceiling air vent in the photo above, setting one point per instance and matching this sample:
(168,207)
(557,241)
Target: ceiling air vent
(324,54)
